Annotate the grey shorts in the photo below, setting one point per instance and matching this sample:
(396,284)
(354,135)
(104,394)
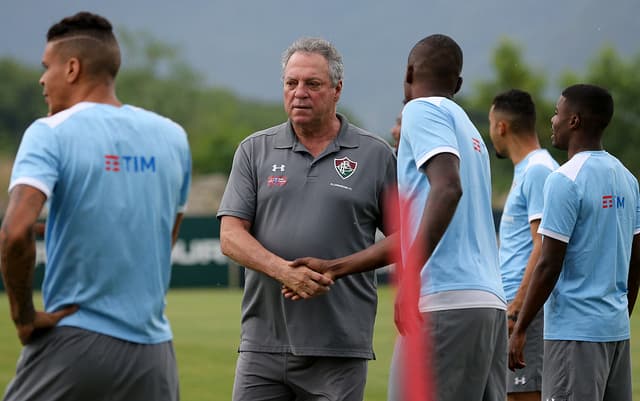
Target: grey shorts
(586,371)
(285,377)
(529,378)
(72,364)
(470,355)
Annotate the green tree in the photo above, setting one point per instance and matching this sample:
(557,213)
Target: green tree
(21,102)
(510,71)
(620,76)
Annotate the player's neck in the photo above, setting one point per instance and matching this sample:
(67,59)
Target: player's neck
(522,147)
(98,93)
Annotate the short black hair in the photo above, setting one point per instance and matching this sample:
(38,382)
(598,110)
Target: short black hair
(593,103)
(520,108)
(89,37)
(438,58)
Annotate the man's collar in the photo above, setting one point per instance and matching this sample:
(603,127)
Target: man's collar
(286,139)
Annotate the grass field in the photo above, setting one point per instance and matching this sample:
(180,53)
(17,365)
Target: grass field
(206,325)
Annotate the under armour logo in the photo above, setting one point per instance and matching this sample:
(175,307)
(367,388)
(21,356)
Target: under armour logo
(275,167)
(520,380)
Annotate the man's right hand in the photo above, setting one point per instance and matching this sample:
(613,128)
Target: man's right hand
(300,282)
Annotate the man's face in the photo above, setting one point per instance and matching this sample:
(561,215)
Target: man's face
(494,134)
(309,98)
(560,129)
(53,79)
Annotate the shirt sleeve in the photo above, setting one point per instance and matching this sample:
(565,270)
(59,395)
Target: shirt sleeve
(561,207)
(37,162)
(533,190)
(429,129)
(240,194)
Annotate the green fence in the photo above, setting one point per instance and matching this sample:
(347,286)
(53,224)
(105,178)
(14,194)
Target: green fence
(197,260)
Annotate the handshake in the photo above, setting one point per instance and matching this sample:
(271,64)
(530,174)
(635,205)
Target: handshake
(308,277)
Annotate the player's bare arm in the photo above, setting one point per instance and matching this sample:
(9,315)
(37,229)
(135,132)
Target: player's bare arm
(633,280)
(513,310)
(371,258)
(18,256)
(238,244)
(543,280)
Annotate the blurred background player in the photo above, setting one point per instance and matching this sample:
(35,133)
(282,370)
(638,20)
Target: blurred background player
(395,131)
(116,178)
(589,268)
(512,120)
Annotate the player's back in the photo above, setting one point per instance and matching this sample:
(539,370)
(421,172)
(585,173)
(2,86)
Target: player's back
(466,256)
(122,175)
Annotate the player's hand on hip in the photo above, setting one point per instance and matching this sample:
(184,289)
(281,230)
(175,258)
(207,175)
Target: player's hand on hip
(42,321)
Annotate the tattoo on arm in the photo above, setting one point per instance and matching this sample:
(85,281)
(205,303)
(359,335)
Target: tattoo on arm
(18,252)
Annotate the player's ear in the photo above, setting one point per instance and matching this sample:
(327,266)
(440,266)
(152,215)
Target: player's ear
(408,78)
(575,121)
(502,127)
(72,69)
(458,85)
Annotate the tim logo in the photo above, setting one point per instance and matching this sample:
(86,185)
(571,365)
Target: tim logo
(129,164)
(476,144)
(612,201)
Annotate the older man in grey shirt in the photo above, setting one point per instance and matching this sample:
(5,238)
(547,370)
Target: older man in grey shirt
(300,211)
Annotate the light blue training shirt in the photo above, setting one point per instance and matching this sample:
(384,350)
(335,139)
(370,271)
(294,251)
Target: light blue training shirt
(524,205)
(466,258)
(591,203)
(115,178)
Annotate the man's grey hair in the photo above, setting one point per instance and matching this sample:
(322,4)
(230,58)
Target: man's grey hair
(319,46)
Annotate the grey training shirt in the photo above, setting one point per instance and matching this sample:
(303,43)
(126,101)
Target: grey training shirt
(327,207)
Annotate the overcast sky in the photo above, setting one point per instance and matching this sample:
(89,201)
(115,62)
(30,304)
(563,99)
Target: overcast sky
(237,44)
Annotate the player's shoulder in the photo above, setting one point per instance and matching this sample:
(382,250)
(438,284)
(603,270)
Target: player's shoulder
(573,167)
(433,104)
(541,160)
(151,117)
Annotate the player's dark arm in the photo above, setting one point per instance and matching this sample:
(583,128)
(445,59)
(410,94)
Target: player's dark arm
(634,273)
(543,280)
(446,190)
(18,256)
(176,228)
(237,242)
(377,255)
